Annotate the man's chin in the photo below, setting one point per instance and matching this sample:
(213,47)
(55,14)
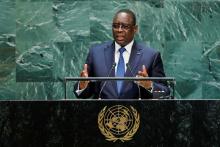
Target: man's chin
(121,42)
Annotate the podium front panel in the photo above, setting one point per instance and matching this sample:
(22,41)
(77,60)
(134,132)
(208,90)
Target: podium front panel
(99,123)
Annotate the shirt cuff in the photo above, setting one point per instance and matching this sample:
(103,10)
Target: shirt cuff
(150,89)
(79,91)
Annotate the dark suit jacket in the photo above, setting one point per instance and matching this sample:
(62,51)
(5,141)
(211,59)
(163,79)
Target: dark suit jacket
(100,60)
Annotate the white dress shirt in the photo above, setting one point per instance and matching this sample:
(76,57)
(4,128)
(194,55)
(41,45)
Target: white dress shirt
(126,54)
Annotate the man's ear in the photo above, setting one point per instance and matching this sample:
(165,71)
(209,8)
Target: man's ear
(136,28)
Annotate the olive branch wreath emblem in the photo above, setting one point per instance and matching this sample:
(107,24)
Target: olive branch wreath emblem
(111,137)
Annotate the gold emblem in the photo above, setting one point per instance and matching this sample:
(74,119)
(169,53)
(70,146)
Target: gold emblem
(118,122)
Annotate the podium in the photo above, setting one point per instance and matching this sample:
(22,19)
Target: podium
(77,123)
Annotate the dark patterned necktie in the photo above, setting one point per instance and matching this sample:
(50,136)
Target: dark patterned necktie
(120,69)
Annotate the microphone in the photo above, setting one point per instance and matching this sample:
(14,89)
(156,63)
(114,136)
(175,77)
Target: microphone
(139,90)
(113,66)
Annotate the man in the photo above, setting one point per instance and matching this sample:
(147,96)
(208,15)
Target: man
(119,58)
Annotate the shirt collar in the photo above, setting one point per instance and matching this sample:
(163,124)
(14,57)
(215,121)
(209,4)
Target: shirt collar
(128,47)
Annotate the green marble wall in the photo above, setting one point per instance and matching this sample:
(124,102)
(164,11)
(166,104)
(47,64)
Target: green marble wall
(41,42)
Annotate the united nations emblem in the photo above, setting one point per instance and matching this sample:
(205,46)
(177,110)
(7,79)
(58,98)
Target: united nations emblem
(118,122)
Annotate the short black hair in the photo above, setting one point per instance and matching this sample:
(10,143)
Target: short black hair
(128,12)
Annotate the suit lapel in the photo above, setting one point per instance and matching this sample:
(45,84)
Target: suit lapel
(134,59)
(109,61)
(109,52)
(136,54)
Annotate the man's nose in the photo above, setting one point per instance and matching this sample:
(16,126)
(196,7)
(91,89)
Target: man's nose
(120,28)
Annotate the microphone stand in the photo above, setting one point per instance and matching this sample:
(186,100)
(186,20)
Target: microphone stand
(113,66)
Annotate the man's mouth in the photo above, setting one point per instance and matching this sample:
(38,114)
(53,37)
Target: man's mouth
(120,38)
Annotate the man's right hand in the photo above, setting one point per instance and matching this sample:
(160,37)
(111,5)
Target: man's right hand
(84,73)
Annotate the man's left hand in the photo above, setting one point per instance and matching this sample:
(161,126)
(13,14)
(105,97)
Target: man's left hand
(147,84)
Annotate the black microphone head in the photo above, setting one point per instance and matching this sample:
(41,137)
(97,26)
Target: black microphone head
(114,64)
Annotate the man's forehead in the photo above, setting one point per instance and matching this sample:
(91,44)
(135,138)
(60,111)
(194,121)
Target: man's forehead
(123,16)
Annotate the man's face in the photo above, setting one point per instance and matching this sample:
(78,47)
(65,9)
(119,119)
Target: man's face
(123,29)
